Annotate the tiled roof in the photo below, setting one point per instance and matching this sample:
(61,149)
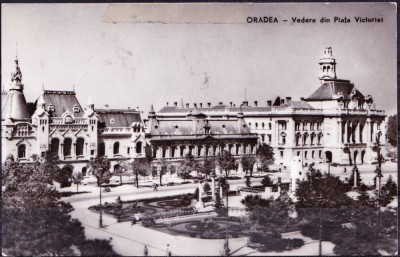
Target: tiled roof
(331,89)
(15,106)
(62,101)
(187,127)
(117,117)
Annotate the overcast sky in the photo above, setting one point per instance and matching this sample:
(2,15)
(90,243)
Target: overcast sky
(135,64)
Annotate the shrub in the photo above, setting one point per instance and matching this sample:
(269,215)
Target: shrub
(206,187)
(148,222)
(192,234)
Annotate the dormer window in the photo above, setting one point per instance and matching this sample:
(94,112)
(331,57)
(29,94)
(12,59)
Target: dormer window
(50,108)
(112,120)
(69,119)
(75,108)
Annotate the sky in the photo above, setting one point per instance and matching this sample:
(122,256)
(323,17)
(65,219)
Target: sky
(119,59)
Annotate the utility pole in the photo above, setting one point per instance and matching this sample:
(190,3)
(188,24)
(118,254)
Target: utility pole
(101,207)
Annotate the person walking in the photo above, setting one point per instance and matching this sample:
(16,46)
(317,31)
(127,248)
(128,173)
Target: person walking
(146,251)
(155,187)
(167,251)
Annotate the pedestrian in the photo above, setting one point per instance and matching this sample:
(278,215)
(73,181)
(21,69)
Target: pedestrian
(167,251)
(155,187)
(146,251)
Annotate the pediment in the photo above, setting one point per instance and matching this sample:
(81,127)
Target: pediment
(23,141)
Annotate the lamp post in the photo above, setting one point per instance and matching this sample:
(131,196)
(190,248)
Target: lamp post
(319,199)
(101,207)
(224,185)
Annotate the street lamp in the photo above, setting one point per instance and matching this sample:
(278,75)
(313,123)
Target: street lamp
(101,207)
(224,184)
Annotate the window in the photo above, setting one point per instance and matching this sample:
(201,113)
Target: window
(249,124)
(102,149)
(84,169)
(262,125)
(281,154)
(79,146)
(172,152)
(139,147)
(164,152)
(67,146)
(256,125)
(182,149)
(116,148)
(320,154)
(68,119)
(75,108)
(298,153)
(128,150)
(297,125)
(54,146)
(305,154)
(21,151)
(312,154)
(269,126)
(262,138)
(269,138)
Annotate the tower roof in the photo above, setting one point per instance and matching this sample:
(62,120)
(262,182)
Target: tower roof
(15,107)
(334,89)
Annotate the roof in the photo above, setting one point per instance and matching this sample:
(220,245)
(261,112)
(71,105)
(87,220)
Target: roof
(196,126)
(14,106)
(118,117)
(3,98)
(62,102)
(333,89)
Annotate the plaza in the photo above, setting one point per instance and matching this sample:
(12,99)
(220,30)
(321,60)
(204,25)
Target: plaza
(130,239)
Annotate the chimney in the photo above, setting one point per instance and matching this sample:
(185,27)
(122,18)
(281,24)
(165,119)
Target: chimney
(194,105)
(201,105)
(209,105)
(220,103)
(107,106)
(176,104)
(288,99)
(255,103)
(167,103)
(245,103)
(231,104)
(282,101)
(269,103)
(187,105)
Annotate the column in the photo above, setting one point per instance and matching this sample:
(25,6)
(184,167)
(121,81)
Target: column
(220,192)
(368,130)
(158,152)
(339,131)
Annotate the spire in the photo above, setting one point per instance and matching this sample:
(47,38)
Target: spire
(327,65)
(16,77)
(152,113)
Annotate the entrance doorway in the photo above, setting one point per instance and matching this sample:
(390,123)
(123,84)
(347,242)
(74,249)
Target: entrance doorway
(328,155)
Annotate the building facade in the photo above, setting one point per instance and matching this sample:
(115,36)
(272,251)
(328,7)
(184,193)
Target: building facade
(336,123)
(60,124)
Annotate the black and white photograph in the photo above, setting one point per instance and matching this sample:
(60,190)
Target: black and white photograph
(199,129)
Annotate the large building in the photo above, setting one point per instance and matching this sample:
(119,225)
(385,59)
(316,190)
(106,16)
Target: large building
(336,123)
(60,124)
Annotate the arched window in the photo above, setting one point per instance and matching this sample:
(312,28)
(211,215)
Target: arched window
(116,148)
(55,144)
(79,146)
(84,170)
(68,119)
(67,146)
(102,149)
(21,151)
(139,147)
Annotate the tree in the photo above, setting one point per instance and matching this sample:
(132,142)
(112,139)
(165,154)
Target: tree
(265,156)
(207,165)
(188,164)
(77,178)
(100,168)
(266,181)
(35,221)
(392,130)
(206,187)
(164,166)
(226,161)
(326,191)
(248,161)
(139,167)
